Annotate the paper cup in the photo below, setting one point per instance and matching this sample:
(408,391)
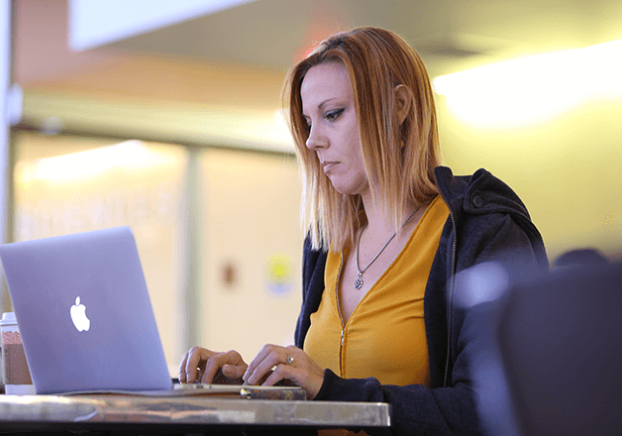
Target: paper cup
(15,371)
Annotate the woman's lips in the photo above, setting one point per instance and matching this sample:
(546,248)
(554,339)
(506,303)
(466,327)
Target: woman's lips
(327,166)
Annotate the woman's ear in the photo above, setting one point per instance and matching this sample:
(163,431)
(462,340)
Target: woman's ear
(403,99)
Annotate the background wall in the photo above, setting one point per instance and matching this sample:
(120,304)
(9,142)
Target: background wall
(566,170)
(251,250)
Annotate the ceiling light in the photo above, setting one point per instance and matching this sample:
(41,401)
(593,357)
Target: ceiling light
(533,89)
(91,163)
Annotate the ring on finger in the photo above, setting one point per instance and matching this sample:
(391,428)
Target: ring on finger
(290,360)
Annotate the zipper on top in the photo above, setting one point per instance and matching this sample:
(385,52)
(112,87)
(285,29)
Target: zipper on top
(451,283)
(343,327)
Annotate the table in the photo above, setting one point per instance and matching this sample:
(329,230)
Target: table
(184,414)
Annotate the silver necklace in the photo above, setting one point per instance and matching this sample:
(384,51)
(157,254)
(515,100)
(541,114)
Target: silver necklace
(358,283)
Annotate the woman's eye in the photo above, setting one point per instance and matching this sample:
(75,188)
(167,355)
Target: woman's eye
(333,115)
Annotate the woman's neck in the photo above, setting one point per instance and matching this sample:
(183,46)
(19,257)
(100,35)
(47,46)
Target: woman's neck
(378,218)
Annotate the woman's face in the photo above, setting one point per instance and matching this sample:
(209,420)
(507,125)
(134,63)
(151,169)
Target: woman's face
(328,108)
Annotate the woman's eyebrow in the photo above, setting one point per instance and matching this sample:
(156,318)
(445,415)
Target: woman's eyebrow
(321,105)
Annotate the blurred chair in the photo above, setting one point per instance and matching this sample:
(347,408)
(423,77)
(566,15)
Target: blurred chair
(560,341)
(582,257)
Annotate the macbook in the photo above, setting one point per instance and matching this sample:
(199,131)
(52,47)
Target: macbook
(84,313)
(86,320)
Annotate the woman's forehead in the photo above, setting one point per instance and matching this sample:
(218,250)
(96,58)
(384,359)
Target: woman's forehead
(325,81)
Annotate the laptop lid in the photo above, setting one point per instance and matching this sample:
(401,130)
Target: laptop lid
(84,313)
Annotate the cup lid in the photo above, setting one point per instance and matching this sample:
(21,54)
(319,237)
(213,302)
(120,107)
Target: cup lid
(8,318)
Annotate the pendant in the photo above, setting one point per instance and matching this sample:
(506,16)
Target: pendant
(358,283)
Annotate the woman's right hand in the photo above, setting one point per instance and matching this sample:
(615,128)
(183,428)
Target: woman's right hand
(207,367)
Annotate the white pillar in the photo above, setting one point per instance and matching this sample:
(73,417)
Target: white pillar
(5,78)
(190,323)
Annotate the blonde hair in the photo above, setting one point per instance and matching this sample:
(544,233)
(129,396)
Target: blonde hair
(399,158)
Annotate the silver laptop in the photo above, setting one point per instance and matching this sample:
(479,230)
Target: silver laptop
(86,320)
(84,313)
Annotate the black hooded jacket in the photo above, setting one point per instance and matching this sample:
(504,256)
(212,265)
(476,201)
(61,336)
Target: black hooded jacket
(487,222)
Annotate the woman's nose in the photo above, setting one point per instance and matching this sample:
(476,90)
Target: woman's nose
(315,139)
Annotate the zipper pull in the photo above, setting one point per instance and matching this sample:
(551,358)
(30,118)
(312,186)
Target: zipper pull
(342,338)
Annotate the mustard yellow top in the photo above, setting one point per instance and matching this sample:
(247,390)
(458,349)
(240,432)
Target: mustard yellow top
(385,335)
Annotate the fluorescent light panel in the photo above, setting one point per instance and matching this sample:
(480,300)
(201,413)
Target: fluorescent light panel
(94,23)
(533,89)
(91,163)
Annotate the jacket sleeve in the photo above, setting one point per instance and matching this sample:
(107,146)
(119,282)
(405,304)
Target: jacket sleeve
(415,409)
(451,410)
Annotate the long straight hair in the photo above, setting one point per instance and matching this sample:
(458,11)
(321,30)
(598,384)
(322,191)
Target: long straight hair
(399,159)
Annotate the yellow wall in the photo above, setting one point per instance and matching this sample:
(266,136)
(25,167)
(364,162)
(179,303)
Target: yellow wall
(566,170)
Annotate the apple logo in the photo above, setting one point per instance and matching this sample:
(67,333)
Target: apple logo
(78,316)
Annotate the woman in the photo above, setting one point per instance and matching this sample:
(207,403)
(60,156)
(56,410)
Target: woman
(388,229)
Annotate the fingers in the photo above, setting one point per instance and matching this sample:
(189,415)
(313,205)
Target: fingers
(262,364)
(233,371)
(182,369)
(200,364)
(230,364)
(273,364)
(192,363)
(229,375)
(212,367)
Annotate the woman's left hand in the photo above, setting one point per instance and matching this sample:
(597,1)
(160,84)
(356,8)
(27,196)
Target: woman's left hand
(273,364)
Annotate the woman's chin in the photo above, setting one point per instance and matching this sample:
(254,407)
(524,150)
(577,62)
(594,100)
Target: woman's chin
(347,189)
